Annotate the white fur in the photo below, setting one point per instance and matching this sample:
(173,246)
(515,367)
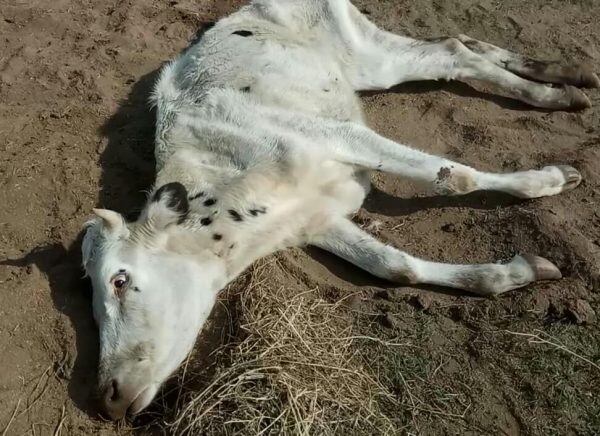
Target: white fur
(269,126)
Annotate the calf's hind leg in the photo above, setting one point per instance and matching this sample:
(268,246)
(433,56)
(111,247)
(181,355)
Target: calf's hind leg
(542,71)
(380,60)
(346,240)
(450,59)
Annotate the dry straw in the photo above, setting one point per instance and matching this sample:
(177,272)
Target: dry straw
(293,370)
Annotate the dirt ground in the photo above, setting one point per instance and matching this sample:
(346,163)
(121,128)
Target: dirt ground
(76,132)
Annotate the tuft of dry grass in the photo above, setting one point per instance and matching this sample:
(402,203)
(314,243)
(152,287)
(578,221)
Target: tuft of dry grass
(294,370)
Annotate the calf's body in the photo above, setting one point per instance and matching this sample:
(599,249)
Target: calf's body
(261,145)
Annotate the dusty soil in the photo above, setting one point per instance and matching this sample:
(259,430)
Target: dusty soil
(76,132)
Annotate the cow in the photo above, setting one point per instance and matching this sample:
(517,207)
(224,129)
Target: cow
(261,145)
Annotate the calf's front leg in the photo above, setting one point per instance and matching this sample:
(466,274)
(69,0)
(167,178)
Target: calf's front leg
(344,239)
(361,146)
(356,144)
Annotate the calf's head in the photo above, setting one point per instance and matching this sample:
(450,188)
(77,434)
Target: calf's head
(153,288)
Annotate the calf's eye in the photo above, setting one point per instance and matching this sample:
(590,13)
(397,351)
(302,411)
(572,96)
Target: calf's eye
(120,282)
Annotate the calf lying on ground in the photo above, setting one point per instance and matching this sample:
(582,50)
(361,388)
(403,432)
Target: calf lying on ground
(261,145)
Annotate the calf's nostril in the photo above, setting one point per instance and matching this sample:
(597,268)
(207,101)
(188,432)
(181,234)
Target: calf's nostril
(115,391)
(112,393)
(116,399)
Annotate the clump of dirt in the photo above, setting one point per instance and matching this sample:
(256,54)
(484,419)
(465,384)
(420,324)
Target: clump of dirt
(76,132)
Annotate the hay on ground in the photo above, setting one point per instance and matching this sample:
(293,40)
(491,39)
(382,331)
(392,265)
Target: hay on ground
(294,370)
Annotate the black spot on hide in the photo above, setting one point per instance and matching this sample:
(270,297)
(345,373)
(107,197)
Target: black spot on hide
(210,202)
(217,237)
(195,196)
(245,89)
(243,33)
(235,215)
(257,211)
(206,221)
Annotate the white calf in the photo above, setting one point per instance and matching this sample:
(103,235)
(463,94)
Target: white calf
(261,145)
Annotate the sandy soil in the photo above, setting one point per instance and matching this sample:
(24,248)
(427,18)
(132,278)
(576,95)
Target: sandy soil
(76,132)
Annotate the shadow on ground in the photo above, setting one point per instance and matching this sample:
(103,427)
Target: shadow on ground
(460,89)
(127,170)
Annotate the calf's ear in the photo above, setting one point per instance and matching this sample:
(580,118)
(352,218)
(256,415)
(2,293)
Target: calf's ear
(112,222)
(167,206)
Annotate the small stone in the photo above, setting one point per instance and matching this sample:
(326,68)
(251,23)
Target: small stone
(449,228)
(388,320)
(581,312)
(422,301)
